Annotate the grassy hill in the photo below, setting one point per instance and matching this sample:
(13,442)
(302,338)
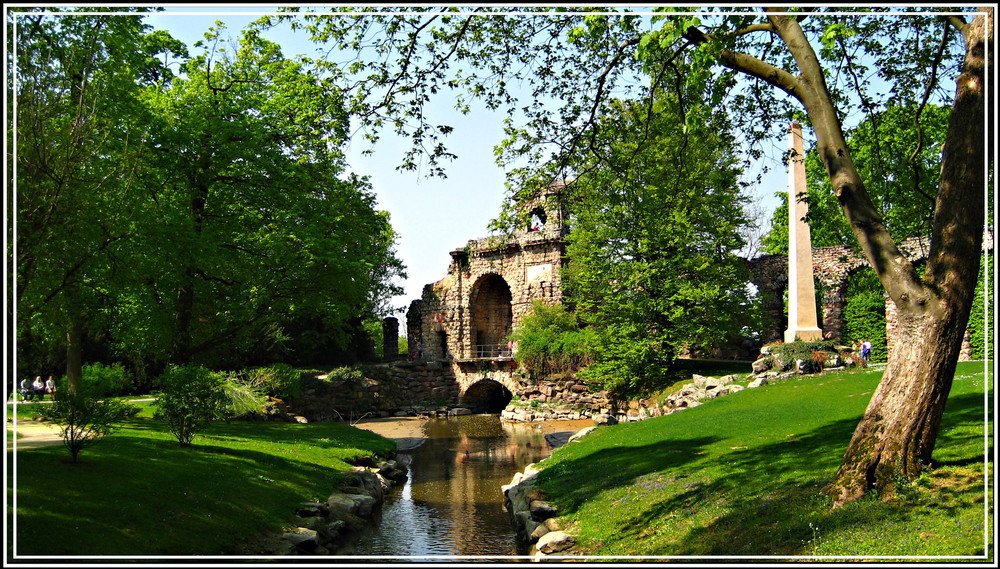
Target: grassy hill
(742,476)
(137,492)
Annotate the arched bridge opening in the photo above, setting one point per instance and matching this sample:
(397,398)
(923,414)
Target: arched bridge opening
(486,396)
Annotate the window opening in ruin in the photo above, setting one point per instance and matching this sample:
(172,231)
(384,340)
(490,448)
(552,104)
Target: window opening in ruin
(443,343)
(538,219)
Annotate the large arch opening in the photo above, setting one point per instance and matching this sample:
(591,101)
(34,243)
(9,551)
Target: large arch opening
(492,315)
(486,396)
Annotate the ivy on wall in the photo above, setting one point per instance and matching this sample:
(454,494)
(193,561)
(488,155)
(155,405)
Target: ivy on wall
(864,313)
(979,334)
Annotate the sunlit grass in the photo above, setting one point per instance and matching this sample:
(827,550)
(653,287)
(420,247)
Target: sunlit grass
(743,476)
(137,492)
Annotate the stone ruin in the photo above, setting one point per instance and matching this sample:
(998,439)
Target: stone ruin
(457,330)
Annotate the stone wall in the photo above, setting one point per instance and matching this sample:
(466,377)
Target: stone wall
(393,388)
(831,266)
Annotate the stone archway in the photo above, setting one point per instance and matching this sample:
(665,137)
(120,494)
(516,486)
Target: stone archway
(486,396)
(492,315)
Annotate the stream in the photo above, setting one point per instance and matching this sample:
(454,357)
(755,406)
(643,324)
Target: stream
(451,504)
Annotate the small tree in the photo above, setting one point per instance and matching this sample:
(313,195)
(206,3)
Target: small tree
(192,398)
(84,420)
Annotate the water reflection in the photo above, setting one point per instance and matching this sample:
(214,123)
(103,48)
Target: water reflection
(452,503)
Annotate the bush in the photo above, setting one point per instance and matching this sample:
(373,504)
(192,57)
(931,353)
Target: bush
(101,380)
(242,400)
(276,380)
(980,335)
(192,397)
(84,420)
(813,354)
(864,313)
(549,340)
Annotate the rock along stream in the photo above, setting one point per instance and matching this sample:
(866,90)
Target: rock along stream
(452,504)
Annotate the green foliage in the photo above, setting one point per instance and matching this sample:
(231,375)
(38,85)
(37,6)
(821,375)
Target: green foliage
(655,230)
(241,399)
(344,375)
(277,380)
(192,397)
(864,313)
(981,335)
(85,420)
(247,233)
(898,156)
(404,345)
(550,340)
(812,354)
(101,380)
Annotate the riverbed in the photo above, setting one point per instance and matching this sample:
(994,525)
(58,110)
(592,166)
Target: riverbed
(451,504)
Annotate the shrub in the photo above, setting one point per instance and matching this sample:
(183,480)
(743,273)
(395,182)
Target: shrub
(242,400)
(813,354)
(549,340)
(101,380)
(85,420)
(192,397)
(864,313)
(980,335)
(276,380)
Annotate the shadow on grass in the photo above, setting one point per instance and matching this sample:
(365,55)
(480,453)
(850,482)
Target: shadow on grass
(196,500)
(755,501)
(573,482)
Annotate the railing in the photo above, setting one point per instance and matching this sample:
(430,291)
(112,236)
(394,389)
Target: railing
(492,351)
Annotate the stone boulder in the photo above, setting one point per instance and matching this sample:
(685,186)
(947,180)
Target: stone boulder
(763,364)
(304,539)
(555,541)
(541,510)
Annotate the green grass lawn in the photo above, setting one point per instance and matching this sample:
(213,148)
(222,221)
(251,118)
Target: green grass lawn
(137,492)
(742,476)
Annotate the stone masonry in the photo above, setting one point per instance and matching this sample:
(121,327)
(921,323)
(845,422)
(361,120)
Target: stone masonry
(465,318)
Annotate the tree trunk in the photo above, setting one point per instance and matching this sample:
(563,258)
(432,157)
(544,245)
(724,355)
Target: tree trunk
(74,357)
(896,436)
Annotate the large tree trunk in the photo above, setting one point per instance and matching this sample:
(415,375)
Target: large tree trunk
(894,440)
(896,436)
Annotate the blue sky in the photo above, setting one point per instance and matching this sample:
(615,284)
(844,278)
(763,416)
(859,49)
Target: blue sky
(433,216)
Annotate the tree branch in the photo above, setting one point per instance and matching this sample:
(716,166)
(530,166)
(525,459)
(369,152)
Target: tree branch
(750,65)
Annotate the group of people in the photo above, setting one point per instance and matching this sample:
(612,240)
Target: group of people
(37,389)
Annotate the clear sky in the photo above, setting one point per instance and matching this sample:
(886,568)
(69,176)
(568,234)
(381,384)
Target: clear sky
(433,216)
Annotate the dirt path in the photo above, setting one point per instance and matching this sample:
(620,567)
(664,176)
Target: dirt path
(408,432)
(31,434)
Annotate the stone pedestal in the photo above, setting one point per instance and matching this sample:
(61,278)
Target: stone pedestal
(802,322)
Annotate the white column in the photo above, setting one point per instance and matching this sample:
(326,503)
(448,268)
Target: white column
(802,322)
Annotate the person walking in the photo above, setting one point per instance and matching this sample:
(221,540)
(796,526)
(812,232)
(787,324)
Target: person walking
(866,350)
